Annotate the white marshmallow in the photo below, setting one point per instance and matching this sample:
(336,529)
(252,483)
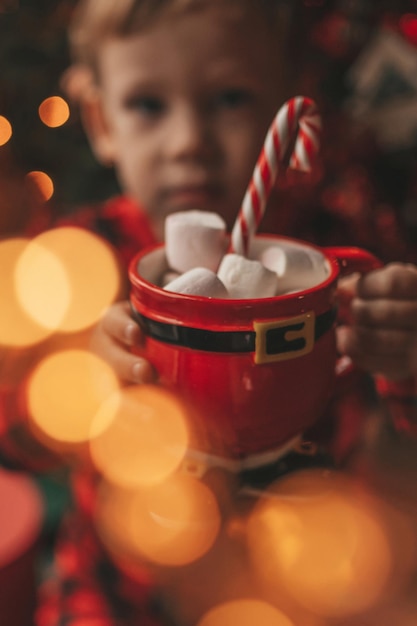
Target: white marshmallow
(168,277)
(296,268)
(245,278)
(198,281)
(195,239)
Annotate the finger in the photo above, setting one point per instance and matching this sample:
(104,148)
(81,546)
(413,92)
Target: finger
(392,367)
(136,370)
(346,290)
(129,367)
(400,314)
(133,369)
(385,341)
(348,284)
(396,280)
(120,325)
(388,352)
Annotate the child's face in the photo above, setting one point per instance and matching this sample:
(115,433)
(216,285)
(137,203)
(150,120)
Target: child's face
(187,104)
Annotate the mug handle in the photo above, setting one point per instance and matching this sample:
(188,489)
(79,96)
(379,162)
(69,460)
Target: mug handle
(350,261)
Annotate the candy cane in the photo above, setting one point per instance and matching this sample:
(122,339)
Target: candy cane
(298,123)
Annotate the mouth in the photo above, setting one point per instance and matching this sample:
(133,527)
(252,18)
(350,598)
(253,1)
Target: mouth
(184,197)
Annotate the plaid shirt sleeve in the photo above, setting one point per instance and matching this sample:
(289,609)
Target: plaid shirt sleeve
(85,588)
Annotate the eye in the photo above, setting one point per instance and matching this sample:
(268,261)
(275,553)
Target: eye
(233,98)
(146,105)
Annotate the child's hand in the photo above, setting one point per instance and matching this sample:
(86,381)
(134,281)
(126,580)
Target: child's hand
(112,339)
(382,333)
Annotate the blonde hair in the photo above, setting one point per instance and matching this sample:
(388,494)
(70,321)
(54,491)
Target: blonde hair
(97,20)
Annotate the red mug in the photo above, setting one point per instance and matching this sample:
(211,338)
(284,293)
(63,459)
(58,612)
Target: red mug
(255,372)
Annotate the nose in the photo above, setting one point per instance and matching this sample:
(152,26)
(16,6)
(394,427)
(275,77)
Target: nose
(188,135)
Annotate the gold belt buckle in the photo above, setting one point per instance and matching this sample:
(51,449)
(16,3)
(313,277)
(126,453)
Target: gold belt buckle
(291,330)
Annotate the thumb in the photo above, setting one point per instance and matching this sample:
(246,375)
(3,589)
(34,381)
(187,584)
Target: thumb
(346,291)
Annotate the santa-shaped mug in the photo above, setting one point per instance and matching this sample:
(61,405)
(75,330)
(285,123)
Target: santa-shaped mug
(255,372)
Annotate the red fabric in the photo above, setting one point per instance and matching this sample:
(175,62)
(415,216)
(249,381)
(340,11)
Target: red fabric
(86,588)
(120,221)
(400,398)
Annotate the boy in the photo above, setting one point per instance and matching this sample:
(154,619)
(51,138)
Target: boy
(193,144)
(178,95)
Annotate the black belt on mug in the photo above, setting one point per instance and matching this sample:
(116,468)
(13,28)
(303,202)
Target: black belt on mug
(271,340)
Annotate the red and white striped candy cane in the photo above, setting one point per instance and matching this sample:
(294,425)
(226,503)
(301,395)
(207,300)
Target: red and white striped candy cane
(296,123)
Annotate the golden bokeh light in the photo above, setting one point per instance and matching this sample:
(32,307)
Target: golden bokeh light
(6,130)
(322,542)
(42,286)
(54,111)
(146,439)
(17,326)
(42,183)
(245,612)
(92,276)
(403,613)
(113,513)
(173,523)
(177,522)
(65,391)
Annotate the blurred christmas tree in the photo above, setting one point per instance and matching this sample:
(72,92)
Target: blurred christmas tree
(358,60)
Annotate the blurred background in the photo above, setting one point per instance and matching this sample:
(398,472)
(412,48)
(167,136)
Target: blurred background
(357,58)
(45,164)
